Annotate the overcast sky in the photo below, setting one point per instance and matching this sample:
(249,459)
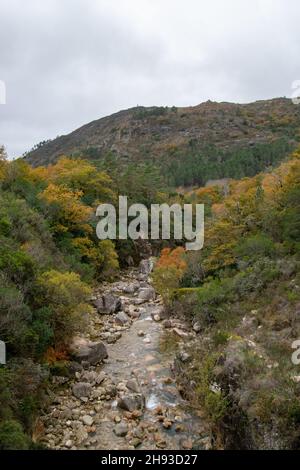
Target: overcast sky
(68,62)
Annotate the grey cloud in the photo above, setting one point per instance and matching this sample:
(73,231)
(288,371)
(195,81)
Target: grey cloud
(68,62)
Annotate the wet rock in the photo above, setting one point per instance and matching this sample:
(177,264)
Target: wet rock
(87,351)
(133,386)
(108,304)
(82,389)
(121,318)
(131,402)
(87,420)
(121,429)
(146,294)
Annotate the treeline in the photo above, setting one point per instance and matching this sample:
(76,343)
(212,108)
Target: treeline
(196,167)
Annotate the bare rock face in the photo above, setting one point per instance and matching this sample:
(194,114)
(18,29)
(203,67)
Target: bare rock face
(88,351)
(108,304)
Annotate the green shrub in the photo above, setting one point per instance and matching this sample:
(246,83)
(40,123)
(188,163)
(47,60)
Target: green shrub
(256,246)
(66,295)
(12,436)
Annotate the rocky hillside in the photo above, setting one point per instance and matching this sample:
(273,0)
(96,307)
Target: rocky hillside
(214,140)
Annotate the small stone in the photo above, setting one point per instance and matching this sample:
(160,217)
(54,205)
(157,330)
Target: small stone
(117,419)
(186,444)
(133,385)
(87,420)
(167,324)
(156,317)
(82,389)
(69,444)
(121,429)
(167,424)
(180,333)
(136,442)
(141,333)
(197,327)
(121,318)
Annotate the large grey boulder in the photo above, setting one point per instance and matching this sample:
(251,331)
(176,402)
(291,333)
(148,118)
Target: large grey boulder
(108,304)
(146,266)
(88,351)
(146,294)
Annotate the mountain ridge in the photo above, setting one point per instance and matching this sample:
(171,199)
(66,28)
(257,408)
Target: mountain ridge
(164,135)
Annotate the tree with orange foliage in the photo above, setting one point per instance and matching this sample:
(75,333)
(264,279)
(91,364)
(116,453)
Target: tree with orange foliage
(168,272)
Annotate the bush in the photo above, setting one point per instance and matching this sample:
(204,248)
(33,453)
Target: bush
(66,295)
(12,436)
(255,247)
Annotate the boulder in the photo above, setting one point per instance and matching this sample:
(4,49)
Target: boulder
(146,294)
(82,389)
(146,266)
(121,318)
(108,304)
(130,288)
(133,386)
(131,402)
(88,351)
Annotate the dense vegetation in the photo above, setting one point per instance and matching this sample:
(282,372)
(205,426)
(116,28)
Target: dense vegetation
(242,294)
(241,290)
(49,259)
(187,146)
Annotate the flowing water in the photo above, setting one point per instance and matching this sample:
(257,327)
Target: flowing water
(144,354)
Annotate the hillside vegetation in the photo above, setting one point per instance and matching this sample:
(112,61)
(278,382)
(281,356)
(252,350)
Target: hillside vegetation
(188,145)
(50,258)
(241,294)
